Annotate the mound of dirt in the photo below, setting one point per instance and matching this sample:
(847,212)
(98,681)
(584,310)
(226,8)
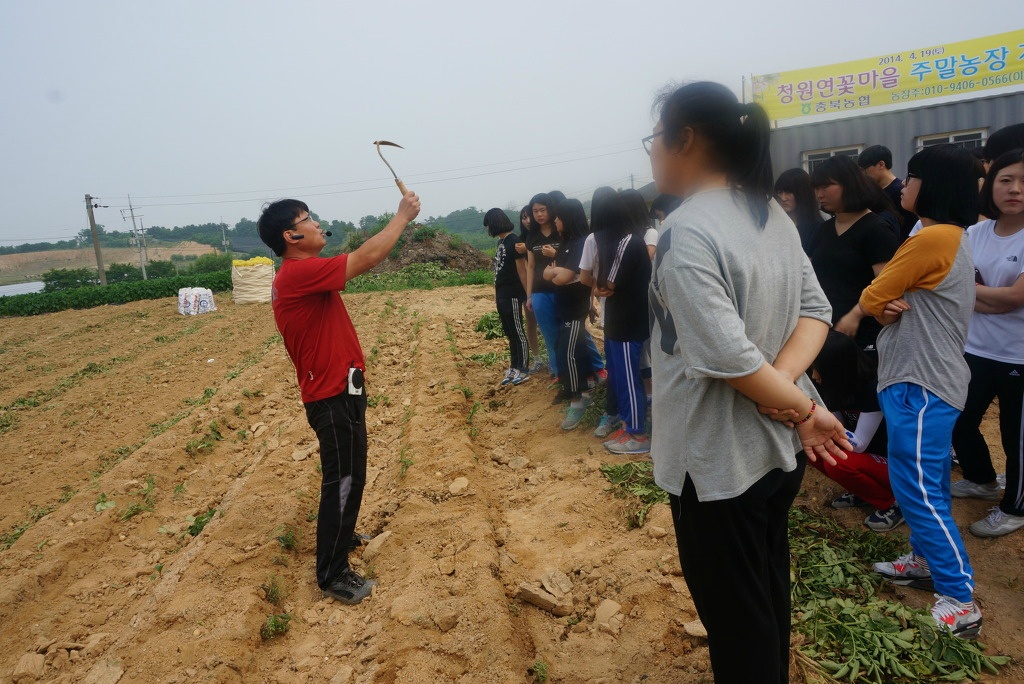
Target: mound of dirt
(499,552)
(445,250)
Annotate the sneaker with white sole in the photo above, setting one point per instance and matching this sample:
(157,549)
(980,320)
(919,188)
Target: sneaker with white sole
(848,500)
(508,376)
(607,425)
(616,436)
(519,377)
(630,444)
(965,489)
(537,366)
(883,521)
(905,571)
(997,523)
(963,620)
(573,416)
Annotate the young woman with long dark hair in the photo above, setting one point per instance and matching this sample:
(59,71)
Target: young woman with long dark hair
(623,278)
(542,245)
(924,298)
(853,247)
(510,294)
(572,300)
(738,319)
(525,215)
(795,195)
(995,350)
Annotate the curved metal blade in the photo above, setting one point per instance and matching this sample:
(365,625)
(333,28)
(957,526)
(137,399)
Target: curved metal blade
(378,143)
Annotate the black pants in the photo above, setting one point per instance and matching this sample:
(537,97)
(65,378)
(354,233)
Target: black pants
(735,559)
(510,312)
(340,425)
(574,363)
(991,379)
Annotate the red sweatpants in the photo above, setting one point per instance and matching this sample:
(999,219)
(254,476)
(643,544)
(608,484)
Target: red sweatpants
(864,475)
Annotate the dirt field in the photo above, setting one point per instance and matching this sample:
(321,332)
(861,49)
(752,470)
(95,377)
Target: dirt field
(206,409)
(16,268)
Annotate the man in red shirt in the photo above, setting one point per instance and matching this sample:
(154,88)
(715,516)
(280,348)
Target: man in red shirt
(323,345)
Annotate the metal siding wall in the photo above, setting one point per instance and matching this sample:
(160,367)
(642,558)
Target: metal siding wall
(896,130)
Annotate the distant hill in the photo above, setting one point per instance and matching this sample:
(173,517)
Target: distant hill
(29,266)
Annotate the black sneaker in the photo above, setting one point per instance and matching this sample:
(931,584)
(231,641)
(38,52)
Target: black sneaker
(360,539)
(349,587)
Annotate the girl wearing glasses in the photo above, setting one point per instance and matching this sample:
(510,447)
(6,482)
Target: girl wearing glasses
(738,319)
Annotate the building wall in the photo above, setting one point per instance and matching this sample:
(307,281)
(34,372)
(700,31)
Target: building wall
(897,130)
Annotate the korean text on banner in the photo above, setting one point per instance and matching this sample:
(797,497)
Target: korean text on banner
(961,68)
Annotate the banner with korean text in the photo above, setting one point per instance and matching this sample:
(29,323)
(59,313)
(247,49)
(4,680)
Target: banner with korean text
(961,68)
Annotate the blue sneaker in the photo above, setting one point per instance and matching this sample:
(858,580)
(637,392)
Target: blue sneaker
(883,521)
(508,377)
(607,426)
(519,377)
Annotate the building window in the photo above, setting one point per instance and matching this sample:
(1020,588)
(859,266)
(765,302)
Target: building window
(814,158)
(965,139)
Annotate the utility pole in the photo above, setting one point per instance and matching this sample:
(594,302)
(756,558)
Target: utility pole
(632,185)
(141,244)
(95,240)
(223,235)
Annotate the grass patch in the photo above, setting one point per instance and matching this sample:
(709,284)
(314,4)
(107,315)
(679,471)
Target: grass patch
(198,523)
(288,538)
(405,461)
(275,626)
(634,483)
(490,325)
(272,590)
(490,358)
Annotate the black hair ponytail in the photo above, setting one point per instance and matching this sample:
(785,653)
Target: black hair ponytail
(738,135)
(752,159)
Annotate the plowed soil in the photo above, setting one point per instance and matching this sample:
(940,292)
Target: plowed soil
(124,424)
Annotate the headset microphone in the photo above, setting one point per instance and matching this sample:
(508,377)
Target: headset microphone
(328,233)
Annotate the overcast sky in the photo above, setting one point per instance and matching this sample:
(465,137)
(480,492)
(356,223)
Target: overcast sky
(204,110)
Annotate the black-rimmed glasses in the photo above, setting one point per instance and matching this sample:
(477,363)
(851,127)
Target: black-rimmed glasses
(649,140)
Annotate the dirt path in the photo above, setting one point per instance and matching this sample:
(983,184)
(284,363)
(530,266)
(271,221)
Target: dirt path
(206,409)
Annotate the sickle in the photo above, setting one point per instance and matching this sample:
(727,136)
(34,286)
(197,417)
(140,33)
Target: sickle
(398,182)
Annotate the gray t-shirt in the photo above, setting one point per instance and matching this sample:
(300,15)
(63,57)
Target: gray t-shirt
(934,273)
(725,296)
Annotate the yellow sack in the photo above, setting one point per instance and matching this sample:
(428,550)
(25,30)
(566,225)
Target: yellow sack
(251,284)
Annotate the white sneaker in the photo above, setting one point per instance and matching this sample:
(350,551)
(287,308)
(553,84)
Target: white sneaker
(965,489)
(997,523)
(962,621)
(905,571)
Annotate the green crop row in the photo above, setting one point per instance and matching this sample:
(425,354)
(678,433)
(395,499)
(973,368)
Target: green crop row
(418,277)
(120,293)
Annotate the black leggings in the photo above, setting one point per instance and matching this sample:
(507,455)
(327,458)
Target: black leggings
(735,559)
(510,312)
(340,426)
(989,380)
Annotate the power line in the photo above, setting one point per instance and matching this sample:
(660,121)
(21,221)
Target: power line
(385,178)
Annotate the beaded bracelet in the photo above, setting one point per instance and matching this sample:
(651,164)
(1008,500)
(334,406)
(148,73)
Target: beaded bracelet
(810,414)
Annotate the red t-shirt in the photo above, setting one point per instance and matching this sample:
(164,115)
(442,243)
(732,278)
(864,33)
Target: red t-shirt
(314,323)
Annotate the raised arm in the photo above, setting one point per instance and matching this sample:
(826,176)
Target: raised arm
(376,249)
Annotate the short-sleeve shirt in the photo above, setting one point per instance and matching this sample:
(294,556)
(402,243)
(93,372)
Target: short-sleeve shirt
(572,301)
(626,312)
(933,272)
(534,241)
(315,325)
(506,272)
(588,261)
(843,264)
(1000,263)
(725,296)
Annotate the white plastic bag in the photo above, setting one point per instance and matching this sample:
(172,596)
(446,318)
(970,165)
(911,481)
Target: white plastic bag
(195,300)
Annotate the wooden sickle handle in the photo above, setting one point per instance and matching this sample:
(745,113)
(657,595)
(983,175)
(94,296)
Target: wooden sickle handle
(401,187)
